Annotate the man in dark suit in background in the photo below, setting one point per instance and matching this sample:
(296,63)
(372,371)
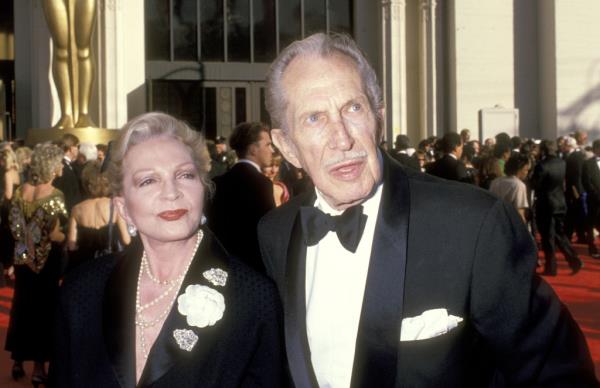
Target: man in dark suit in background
(550,208)
(390,277)
(450,166)
(243,194)
(401,145)
(68,182)
(574,191)
(591,183)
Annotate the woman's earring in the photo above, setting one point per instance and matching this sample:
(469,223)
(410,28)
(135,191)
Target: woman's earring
(203,220)
(132,230)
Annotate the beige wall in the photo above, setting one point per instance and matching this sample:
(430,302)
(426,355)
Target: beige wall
(578,66)
(484,59)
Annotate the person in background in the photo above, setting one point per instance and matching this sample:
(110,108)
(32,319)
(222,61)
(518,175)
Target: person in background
(591,183)
(102,150)
(550,208)
(281,194)
(68,182)
(511,187)
(218,160)
(174,309)
(465,135)
(36,214)
(9,181)
(400,153)
(95,228)
(450,165)
(23,160)
(243,194)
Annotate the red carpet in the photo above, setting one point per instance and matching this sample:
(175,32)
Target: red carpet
(581,294)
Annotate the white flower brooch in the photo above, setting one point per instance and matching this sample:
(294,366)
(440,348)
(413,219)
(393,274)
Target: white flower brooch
(203,306)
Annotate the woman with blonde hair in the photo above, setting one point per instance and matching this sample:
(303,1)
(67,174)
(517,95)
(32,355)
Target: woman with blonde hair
(95,228)
(9,181)
(281,194)
(174,309)
(36,213)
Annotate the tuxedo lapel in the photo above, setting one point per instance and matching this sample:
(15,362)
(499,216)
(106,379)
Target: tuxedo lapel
(118,315)
(166,353)
(296,340)
(378,338)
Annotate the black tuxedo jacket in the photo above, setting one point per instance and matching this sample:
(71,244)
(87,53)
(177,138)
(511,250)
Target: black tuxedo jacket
(448,168)
(406,160)
(548,182)
(438,244)
(573,174)
(242,196)
(68,183)
(95,330)
(591,182)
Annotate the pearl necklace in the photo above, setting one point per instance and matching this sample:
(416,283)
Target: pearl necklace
(139,308)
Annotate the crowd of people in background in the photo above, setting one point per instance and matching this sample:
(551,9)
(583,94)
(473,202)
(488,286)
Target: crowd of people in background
(553,184)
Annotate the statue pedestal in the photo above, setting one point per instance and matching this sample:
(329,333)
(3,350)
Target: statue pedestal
(93,135)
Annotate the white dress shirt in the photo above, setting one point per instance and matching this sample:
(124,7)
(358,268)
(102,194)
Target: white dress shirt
(335,285)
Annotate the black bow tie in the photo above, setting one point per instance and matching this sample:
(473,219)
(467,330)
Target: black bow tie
(348,226)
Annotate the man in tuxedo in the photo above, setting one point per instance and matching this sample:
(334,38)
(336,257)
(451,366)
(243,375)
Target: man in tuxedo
(69,183)
(574,191)
(450,166)
(400,153)
(591,183)
(550,208)
(243,194)
(390,277)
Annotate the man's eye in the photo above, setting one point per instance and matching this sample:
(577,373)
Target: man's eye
(312,119)
(355,107)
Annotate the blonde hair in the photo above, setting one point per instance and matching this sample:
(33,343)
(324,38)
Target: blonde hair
(46,160)
(94,180)
(9,158)
(152,125)
(23,154)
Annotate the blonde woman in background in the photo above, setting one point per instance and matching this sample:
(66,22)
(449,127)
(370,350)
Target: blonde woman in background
(36,213)
(9,181)
(23,160)
(95,228)
(281,194)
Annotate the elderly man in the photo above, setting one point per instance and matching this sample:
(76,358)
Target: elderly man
(440,290)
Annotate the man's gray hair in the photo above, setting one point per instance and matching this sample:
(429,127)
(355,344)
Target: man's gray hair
(323,45)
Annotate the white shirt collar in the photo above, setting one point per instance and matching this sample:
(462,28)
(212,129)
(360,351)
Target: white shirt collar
(454,156)
(250,162)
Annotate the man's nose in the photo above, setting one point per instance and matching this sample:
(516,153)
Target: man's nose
(340,136)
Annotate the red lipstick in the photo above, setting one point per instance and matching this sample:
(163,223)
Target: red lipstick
(172,215)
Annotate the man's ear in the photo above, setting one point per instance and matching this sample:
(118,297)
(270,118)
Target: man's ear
(381,120)
(121,208)
(285,146)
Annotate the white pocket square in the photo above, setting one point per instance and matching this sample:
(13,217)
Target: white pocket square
(431,323)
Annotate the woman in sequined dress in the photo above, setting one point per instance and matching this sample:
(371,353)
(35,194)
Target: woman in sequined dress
(9,181)
(174,309)
(36,213)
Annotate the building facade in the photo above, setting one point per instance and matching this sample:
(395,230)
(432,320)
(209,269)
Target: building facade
(441,62)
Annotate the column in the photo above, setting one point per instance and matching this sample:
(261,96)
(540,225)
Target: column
(394,66)
(427,69)
(121,70)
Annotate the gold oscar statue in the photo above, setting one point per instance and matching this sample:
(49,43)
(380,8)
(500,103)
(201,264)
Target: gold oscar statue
(71,23)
